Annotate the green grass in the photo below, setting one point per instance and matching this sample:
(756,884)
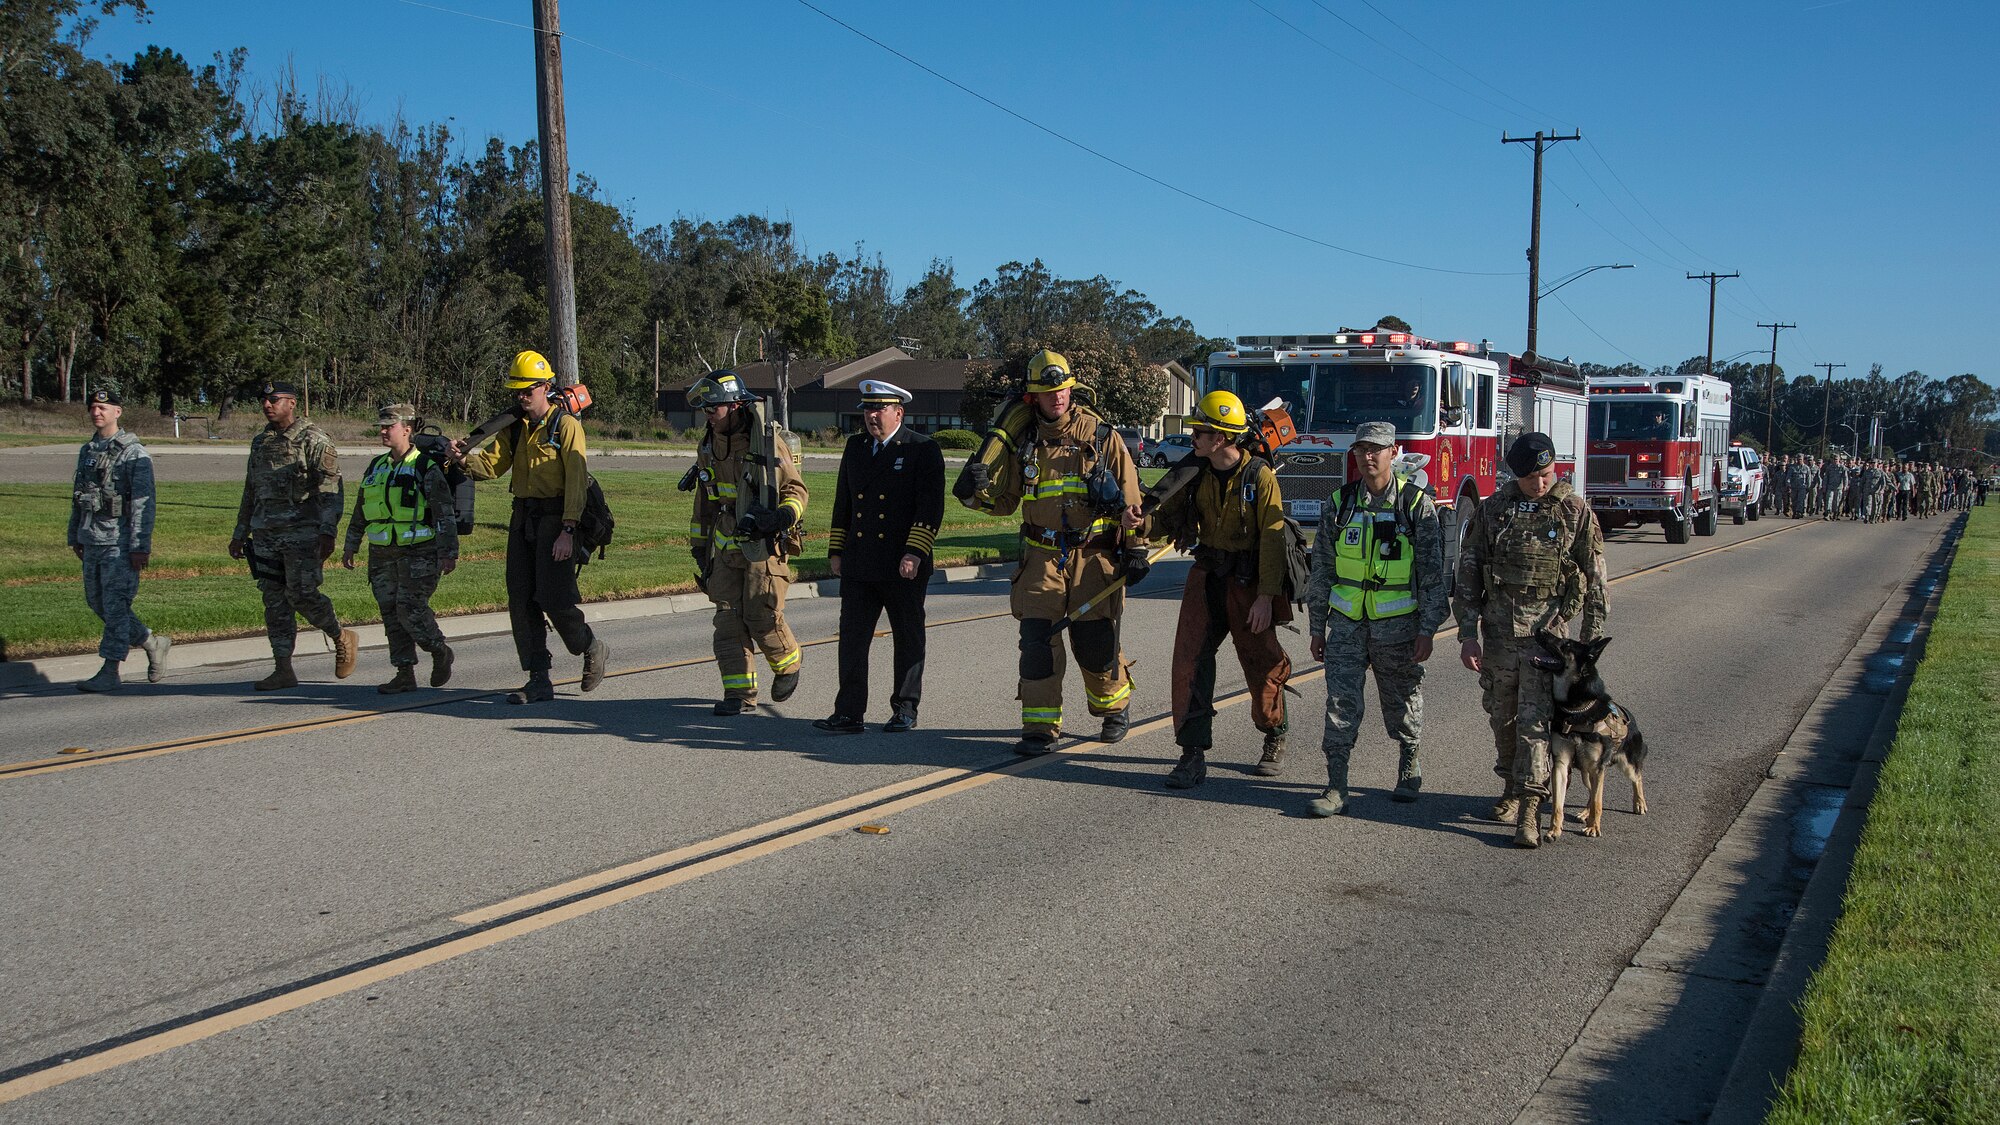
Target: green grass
(195,590)
(1902,1022)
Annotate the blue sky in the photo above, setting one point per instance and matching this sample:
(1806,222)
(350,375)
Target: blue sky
(1840,154)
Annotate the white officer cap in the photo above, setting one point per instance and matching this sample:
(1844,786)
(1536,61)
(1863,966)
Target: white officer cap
(876,390)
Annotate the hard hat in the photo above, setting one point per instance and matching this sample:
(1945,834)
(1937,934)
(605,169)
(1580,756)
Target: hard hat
(1049,371)
(528,369)
(717,388)
(1220,411)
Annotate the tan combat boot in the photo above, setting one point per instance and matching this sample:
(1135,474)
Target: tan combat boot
(1508,807)
(281,675)
(345,648)
(1528,829)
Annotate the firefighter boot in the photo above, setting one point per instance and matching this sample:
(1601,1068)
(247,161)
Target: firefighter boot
(1115,726)
(1032,745)
(1273,760)
(1409,777)
(785,683)
(106,679)
(346,646)
(1192,770)
(405,680)
(441,666)
(1528,829)
(281,675)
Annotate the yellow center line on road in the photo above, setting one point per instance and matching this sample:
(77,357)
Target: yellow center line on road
(588,894)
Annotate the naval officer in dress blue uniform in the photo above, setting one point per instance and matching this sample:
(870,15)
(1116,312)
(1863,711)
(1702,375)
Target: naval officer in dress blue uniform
(886,510)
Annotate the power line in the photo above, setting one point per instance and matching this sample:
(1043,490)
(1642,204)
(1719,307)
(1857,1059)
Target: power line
(1363,67)
(1599,153)
(1532,111)
(1147,176)
(1596,333)
(1446,79)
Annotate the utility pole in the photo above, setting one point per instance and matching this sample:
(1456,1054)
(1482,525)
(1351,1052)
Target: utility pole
(555,192)
(656,363)
(1540,140)
(1826,404)
(1712,278)
(1771,386)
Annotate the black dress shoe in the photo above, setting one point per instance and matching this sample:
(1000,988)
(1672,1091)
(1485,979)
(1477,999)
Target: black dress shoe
(839,724)
(734,706)
(904,719)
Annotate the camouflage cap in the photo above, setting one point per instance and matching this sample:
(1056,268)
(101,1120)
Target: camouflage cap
(107,392)
(395,412)
(1375,433)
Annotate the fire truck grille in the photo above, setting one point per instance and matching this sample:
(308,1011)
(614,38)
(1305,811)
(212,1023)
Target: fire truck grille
(1309,482)
(1606,470)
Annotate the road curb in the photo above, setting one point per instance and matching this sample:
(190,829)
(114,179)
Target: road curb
(1708,978)
(24,675)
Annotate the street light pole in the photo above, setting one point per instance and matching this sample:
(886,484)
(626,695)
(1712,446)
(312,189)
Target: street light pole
(1586,270)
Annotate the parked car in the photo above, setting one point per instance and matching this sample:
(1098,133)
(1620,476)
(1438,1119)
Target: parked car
(1169,449)
(1135,443)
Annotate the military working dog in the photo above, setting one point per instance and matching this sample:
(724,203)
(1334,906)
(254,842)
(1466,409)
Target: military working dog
(1588,731)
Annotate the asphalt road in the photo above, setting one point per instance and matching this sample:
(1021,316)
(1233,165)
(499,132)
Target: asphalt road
(324,925)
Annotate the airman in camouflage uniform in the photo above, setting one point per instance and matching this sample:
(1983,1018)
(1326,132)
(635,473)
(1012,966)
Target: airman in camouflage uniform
(405,509)
(1376,595)
(1832,486)
(1798,484)
(1533,560)
(111,531)
(285,526)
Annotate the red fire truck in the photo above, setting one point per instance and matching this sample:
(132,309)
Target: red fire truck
(1658,448)
(1456,407)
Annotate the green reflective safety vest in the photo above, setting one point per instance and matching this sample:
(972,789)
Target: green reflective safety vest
(393,502)
(1367,585)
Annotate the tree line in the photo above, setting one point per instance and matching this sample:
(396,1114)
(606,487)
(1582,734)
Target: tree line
(171,227)
(191,235)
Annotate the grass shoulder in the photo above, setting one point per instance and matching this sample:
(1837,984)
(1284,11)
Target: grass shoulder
(1902,1021)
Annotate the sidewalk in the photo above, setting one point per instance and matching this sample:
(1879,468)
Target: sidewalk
(19,675)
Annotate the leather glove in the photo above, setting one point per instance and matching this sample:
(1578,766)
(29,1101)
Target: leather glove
(1134,564)
(751,522)
(978,474)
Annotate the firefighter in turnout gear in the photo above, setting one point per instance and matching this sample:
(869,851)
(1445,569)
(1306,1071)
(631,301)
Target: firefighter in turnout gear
(1377,594)
(406,513)
(1072,480)
(284,527)
(1532,560)
(111,533)
(1232,517)
(742,540)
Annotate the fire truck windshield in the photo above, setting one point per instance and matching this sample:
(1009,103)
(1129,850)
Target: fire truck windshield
(1257,384)
(1348,394)
(1634,421)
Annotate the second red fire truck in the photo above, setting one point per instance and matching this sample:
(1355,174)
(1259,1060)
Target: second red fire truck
(1658,449)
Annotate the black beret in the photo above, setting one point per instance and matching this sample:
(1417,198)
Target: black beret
(279,388)
(1531,453)
(108,393)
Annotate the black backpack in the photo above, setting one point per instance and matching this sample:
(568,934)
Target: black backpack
(432,444)
(595,525)
(1298,556)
